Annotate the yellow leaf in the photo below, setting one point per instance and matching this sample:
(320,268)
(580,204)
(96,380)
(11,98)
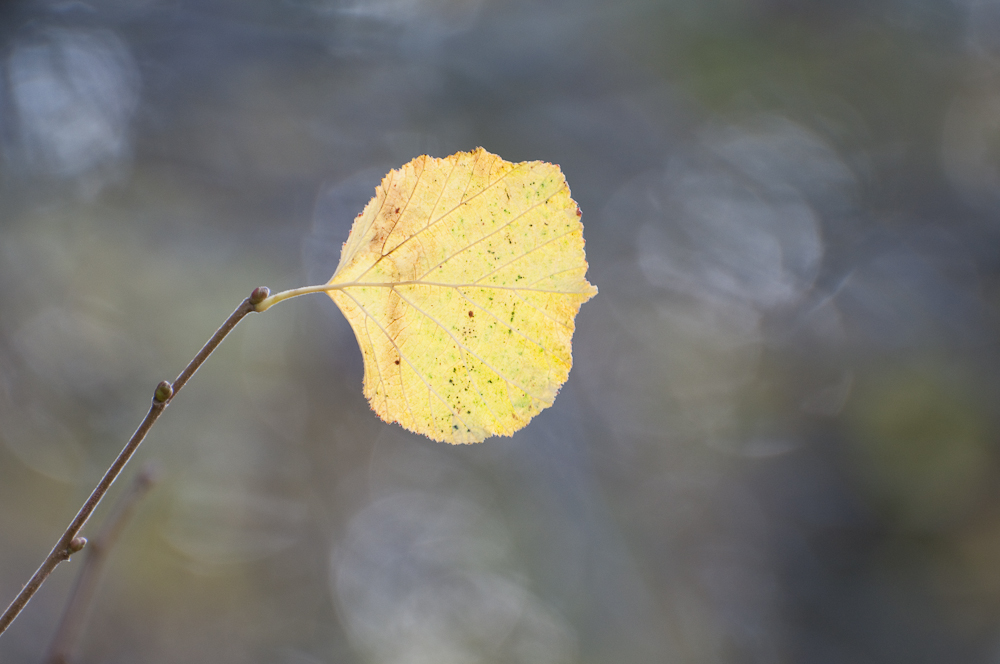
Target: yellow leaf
(461,280)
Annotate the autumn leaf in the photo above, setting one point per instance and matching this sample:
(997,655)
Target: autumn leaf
(461,280)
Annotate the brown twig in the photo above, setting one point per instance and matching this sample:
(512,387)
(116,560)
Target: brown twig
(80,599)
(71,542)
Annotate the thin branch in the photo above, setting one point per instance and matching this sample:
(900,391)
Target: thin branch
(71,542)
(81,599)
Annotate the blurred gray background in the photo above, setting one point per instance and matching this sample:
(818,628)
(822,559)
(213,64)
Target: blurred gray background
(779,439)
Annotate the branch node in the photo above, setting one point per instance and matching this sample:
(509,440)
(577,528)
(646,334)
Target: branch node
(258,295)
(76,545)
(163,392)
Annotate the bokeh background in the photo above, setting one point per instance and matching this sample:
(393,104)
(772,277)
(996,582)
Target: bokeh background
(779,439)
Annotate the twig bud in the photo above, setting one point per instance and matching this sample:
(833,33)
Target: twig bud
(163,392)
(76,544)
(259,294)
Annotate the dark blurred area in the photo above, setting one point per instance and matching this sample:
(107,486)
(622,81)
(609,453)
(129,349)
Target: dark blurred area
(779,439)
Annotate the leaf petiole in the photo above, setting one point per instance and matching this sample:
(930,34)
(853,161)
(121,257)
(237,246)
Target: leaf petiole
(272,300)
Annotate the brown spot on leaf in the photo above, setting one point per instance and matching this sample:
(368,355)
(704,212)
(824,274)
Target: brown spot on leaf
(471,314)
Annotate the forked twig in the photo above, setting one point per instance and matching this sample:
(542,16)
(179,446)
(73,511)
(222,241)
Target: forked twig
(80,599)
(70,542)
